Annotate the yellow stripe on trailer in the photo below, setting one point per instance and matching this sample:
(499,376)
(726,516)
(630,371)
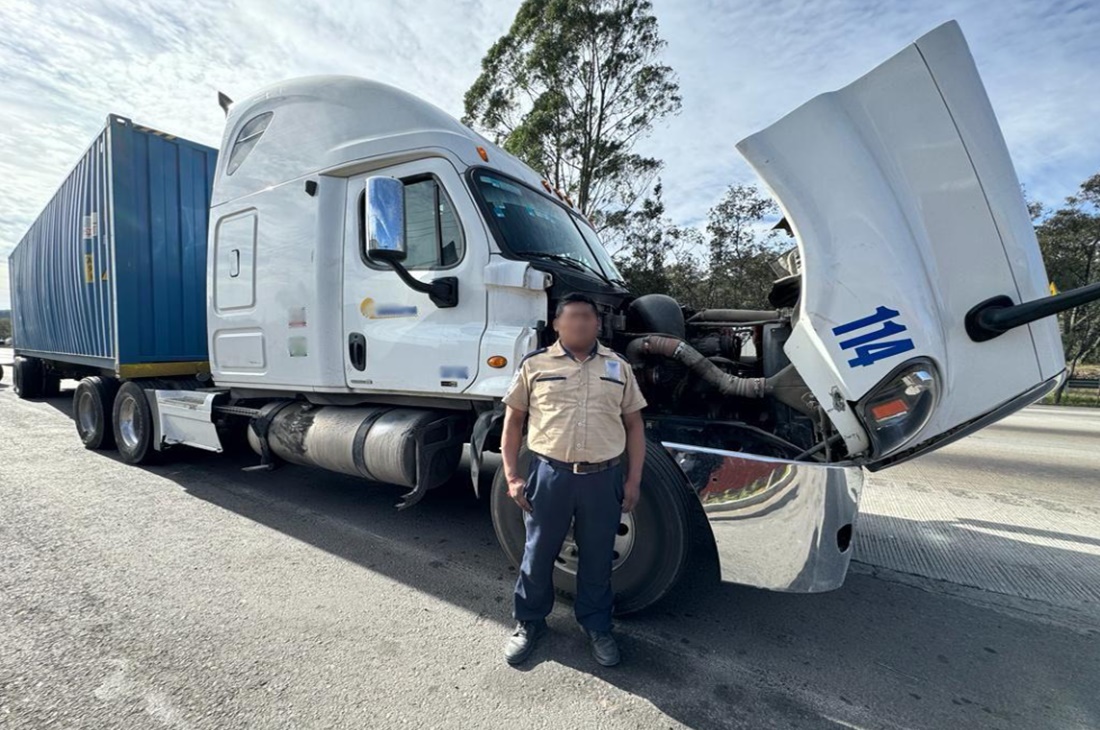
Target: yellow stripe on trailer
(162,369)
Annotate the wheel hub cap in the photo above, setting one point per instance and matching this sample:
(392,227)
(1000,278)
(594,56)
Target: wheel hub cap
(85,412)
(127,428)
(624,543)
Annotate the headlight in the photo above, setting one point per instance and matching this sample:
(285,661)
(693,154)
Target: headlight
(899,406)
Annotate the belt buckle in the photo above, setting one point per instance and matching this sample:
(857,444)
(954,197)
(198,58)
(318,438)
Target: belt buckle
(577,467)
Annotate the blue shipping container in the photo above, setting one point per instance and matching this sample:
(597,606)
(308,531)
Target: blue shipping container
(112,274)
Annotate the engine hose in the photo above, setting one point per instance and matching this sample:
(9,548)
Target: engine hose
(733,316)
(676,349)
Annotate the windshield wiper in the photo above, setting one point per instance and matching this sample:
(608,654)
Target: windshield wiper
(569,260)
(560,257)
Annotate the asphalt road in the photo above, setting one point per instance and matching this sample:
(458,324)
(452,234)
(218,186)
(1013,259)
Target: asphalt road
(196,595)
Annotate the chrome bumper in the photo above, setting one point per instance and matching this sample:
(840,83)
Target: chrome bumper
(780,525)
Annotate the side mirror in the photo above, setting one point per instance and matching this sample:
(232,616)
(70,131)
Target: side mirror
(385,218)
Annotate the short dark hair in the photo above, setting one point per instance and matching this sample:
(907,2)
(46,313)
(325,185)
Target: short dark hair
(574,298)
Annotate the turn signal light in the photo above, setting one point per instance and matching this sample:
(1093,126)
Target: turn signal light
(497,361)
(896,410)
(889,409)
(483,154)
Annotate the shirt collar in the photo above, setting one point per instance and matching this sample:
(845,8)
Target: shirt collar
(557,349)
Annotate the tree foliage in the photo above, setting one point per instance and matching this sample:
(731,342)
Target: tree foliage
(724,263)
(1070,241)
(570,89)
(656,256)
(740,251)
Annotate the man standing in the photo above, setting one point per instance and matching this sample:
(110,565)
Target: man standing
(584,408)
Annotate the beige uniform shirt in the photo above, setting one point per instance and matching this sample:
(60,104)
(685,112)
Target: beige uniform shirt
(575,407)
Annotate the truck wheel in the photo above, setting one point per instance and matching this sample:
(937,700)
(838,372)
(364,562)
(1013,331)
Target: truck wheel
(28,377)
(653,541)
(51,385)
(93,403)
(133,425)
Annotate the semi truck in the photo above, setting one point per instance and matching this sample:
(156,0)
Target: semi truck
(351,280)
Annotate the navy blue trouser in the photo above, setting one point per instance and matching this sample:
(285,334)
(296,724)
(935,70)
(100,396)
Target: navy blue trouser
(593,502)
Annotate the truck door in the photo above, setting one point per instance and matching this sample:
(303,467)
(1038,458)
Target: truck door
(395,338)
(908,213)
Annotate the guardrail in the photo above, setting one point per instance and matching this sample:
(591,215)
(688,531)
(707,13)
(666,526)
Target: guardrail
(1084,383)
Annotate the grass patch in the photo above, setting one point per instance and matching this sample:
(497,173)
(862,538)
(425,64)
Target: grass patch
(1075,397)
(1087,371)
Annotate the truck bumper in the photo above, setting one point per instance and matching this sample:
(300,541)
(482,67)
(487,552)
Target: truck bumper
(777,524)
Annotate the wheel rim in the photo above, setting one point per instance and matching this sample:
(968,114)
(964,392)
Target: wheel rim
(85,412)
(127,422)
(624,543)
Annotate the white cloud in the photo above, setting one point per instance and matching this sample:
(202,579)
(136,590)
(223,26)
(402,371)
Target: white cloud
(65,66)
(744,64)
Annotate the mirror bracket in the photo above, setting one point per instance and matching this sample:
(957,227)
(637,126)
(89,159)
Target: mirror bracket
(442,291)
(384,221)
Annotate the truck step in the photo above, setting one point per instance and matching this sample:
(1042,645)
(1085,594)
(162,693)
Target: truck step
(238,411)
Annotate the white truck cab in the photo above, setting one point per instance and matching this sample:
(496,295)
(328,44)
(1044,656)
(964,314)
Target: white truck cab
(298,304)
(377,270)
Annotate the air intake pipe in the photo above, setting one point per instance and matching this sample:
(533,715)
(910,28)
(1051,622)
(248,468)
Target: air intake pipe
(676,349)
(735,316)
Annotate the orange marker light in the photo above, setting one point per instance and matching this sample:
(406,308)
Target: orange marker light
(546,185)
(888,409)
(484,155)
(497,361)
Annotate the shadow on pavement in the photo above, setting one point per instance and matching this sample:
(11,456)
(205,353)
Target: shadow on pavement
(712,655)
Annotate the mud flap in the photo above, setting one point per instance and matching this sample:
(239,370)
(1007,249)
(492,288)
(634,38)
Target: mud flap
(432,440)
(486,424)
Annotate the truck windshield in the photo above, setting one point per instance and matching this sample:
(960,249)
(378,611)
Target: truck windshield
(528,224)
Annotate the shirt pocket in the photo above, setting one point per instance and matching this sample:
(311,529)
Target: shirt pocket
(609,395)
(550,387)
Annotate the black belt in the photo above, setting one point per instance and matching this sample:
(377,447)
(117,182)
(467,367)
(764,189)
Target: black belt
(580,467)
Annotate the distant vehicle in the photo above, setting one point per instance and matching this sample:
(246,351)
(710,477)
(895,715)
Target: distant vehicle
(352,282)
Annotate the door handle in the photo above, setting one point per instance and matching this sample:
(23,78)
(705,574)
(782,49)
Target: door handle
(357,350)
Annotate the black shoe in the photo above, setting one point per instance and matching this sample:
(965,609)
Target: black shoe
(604,647)
(522,641)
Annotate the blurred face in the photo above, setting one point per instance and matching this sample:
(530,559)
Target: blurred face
(577,325)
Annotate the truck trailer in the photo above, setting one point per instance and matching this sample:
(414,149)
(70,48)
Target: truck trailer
(367,273)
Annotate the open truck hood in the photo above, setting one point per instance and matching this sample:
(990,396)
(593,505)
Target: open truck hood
(907,211)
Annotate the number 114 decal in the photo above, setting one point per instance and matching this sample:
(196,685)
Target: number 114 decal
(870,343)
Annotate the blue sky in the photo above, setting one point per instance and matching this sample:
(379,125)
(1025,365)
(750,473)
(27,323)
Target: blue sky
(65,65)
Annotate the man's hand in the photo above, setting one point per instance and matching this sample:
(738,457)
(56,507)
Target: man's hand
(635,458)
(510,441)
(515,491)
(632,490)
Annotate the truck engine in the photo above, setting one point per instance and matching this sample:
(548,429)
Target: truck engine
(716,377)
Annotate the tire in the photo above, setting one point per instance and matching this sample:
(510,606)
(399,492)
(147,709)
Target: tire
(28,377)
(93,406)
(656,537)
(51,385)
(132,423)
